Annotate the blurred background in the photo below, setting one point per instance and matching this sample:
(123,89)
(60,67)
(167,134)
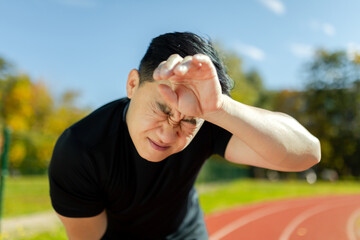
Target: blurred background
(61,59)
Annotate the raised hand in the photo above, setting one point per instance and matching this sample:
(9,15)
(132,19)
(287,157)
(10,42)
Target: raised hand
(190,85)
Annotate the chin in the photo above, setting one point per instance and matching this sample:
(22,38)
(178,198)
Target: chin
(154,160)
(152,157)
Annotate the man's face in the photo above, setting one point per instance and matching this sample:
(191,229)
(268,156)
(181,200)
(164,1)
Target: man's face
(156,130)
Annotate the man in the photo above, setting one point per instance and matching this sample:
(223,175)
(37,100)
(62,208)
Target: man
(127,170)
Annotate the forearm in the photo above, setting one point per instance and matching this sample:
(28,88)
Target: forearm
(276,137)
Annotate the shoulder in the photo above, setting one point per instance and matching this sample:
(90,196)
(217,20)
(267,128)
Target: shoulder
(82,147)
(102,123)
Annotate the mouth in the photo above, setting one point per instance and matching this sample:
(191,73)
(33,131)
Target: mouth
(157,146)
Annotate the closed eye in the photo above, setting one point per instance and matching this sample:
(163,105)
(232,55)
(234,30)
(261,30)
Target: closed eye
(163,108)
(191,121)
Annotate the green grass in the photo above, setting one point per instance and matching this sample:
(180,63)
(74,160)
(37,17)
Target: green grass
(58,234)
(55,234)
(215,197)
(25,195)
(31,194)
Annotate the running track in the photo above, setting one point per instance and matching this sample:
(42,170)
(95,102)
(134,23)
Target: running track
(320,218)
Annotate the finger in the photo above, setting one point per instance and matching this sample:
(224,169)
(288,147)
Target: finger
(166,70)
(169,95)
(204,63)
(202,58)
(182,68)
(156,73)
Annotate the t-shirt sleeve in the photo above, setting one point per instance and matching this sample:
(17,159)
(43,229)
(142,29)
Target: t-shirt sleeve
(74,188)
(220,138)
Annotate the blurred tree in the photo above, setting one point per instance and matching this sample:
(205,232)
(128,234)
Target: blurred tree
(17,97)
(28,108)
(291,102)
(332,109)
(5,68)
(65,113)
(248,86)
(42,104)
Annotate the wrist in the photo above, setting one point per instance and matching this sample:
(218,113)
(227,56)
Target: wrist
(220,111)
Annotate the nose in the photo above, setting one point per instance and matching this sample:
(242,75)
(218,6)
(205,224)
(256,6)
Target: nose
(168,133)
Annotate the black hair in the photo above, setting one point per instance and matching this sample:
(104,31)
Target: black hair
(184,44)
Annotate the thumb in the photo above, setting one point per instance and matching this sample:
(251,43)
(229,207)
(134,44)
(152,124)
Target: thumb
(169,95)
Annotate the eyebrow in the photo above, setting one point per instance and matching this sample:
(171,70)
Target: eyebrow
(192,121)
(165,109)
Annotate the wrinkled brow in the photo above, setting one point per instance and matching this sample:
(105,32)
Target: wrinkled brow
(167,110)
(164,108)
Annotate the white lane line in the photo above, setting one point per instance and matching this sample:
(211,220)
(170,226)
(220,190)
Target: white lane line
(290,228)
(240,222)
(245,220)
(249,207)
(350,226)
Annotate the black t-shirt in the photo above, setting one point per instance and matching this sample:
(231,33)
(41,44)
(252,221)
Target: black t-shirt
(95,166)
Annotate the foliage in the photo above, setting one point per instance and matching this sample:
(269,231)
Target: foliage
(248,86)
(218,169)
(332,104)
(35,118)
(329,109)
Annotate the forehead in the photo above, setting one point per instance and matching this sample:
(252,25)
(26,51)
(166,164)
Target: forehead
(151,94)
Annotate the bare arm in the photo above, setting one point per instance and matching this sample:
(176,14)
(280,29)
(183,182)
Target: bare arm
(266,139)
(89,228)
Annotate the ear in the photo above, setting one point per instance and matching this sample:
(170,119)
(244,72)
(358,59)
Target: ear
(132,83)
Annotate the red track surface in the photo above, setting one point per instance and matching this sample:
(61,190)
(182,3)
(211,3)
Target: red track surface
(321,218)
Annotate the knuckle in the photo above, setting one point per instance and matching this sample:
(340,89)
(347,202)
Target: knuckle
(175,56)
(202,56)
(187,58)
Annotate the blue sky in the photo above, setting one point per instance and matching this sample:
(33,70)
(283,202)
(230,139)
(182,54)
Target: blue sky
(91,45)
